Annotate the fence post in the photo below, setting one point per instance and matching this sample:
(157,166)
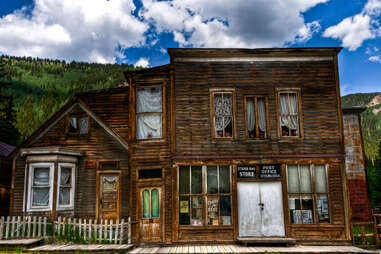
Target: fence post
(129,230)
(1,227)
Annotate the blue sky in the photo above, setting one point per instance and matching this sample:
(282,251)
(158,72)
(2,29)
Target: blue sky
(139,31)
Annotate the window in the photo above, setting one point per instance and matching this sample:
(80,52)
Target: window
(308,197)
(149,109)
(150,173)
(256,117)
(78,125)
(150,203)
(109,165)
(66,185)
(222,105)
(215,197)
(40,186)
(289,114)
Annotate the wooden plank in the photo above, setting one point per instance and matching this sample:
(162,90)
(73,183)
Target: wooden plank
(122,232)
(7,228)
(39,226)
(1,227)
(90,228)
(13,226)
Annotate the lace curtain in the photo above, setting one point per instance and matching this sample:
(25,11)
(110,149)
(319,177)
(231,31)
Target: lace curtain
(149,100)
(250,115)
(40,189)
(262,116)
(289,109)
(222,113)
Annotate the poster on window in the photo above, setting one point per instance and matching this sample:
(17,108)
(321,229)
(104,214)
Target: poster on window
(184,206)
(269,170)
(297,216)
(307,216)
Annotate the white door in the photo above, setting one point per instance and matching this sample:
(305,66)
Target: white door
(260,209)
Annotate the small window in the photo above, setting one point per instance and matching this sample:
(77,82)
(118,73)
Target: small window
(289,114)
(256,117)
(222,116)
(307,194)
(150,173)
(149,112)
(109,165)
(78,125)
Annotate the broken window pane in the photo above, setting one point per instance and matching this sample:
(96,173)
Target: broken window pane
(65,176)
(73,125)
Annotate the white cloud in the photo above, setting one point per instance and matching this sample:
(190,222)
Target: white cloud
(142,62)
(226,23)
(354,30)
(86,30)
(344,89)
(376,59)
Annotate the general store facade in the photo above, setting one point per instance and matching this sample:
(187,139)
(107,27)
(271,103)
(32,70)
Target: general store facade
(219,145)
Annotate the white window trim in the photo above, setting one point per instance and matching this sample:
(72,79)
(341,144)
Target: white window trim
(32,166)
(72,190)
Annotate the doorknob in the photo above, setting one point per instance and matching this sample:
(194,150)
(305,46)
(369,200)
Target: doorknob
(261,205)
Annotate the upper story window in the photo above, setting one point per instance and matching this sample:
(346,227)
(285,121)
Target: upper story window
(78,125)
(149,113)
(289,121)
(222,114)
(256,117)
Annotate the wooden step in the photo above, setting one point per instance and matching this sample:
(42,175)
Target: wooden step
(272,240)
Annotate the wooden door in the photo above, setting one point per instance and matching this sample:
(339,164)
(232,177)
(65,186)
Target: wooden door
(109,196)
(260,209)
(150,214)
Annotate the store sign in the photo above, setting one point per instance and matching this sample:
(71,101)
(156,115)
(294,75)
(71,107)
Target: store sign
(269,170)
(247,171)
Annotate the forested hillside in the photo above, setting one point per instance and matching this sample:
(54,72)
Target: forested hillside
(33,89)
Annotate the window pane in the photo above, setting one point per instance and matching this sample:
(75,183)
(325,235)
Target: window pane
(108,165)
(65,176)
(217,104)
(213,211)
(146,204)
(109,183)
(262,117)
(305,179)
(320,179)
(284,103)
(292,179)
(155,203)
(184,187)
(150,173)
(148,100)
(64,196)
(184,209)
(323,209)
(295,211)
(224,179)
(307,210)
(40,197)
(250,118)
(293,103)
(219,126)
(84,125)
(225,210)
(73,126)
(228,126)
(149,126)
(212,185)
(41,177)
(196,180)
(197,211)
(228,109)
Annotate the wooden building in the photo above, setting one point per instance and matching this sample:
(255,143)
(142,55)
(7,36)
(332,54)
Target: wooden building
(5,179)
(220,145)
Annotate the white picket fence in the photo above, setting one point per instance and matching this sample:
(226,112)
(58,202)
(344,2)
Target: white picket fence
(23,227)
(103,231)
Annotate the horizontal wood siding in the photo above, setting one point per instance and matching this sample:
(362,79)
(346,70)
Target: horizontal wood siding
(316,81)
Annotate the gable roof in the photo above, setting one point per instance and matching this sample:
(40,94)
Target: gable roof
(75,101)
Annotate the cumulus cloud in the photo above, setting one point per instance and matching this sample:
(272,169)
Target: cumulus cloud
(226,23)
(376,59)
(354,30)
(86,30)
(142,62)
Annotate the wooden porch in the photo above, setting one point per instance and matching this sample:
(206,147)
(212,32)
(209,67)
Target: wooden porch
(243,249)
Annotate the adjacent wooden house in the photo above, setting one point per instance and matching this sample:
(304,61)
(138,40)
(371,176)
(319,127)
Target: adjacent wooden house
(220,145)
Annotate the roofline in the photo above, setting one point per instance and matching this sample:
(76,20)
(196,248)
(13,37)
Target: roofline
(127,73)
(303,49)
(356,109)
(58,116)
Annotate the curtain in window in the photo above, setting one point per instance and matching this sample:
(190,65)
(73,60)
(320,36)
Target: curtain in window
(293,111)
(228,109)
(250,115)
(149,126)
(65,176)
(217,104)
(293,179)
(73,122)
(305,179)
(289,106)
(41,177)
(148,100)
(320,179)
(261,116)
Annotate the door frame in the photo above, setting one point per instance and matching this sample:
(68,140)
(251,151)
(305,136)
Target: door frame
(139,206)
(98,190)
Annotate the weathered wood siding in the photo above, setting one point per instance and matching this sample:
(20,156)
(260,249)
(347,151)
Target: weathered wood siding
(97,145)
(319,106)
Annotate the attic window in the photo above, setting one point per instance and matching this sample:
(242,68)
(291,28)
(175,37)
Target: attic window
(78,125)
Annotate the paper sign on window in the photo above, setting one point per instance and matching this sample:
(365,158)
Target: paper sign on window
(184,206)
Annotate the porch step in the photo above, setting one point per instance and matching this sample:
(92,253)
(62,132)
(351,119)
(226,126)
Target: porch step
(20,242)
(267,240)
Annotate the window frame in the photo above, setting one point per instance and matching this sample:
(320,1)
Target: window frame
(313,193)
(255,98)
(72,189)
(213,91)
(32,166)
(299,105)
(78,132)
(163,113)
(204,194)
